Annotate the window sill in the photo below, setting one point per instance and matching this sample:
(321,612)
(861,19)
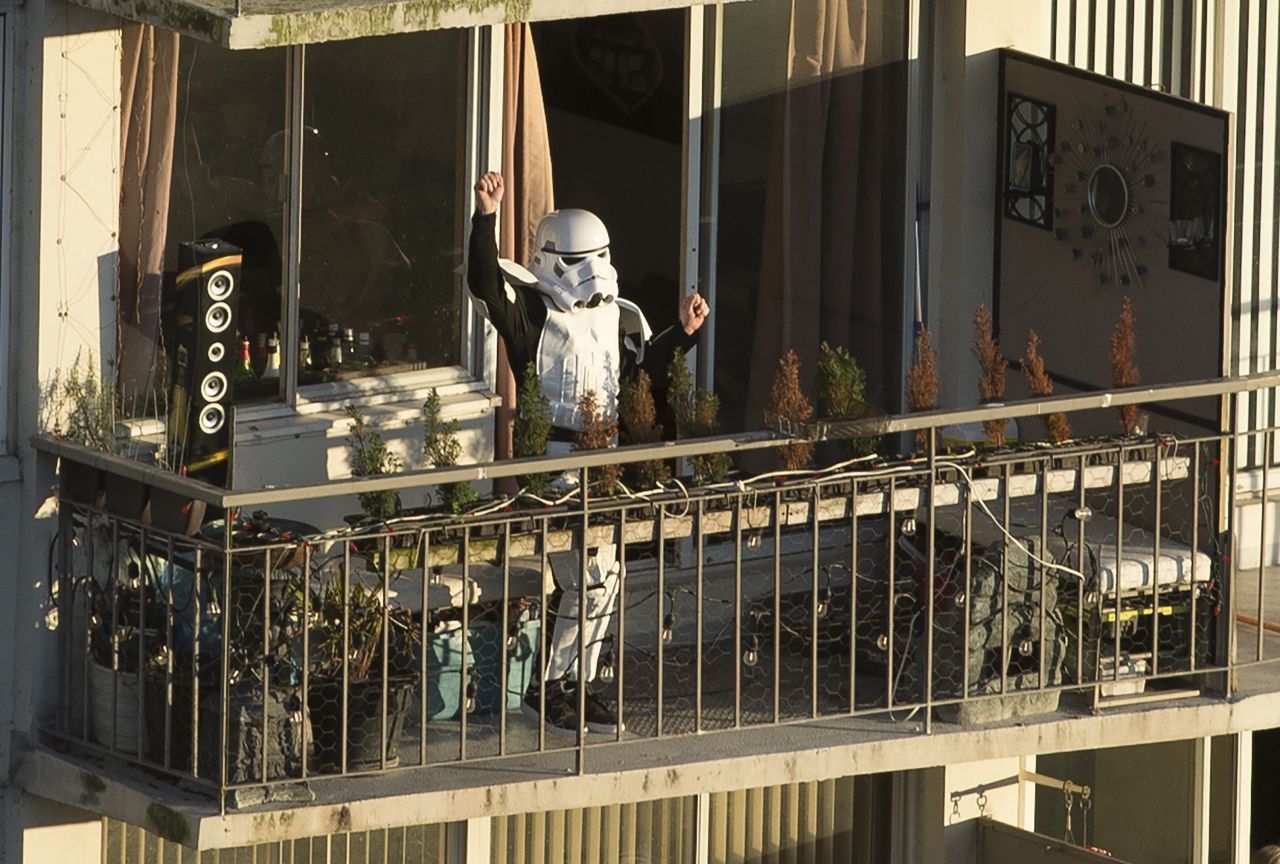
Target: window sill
(324,414)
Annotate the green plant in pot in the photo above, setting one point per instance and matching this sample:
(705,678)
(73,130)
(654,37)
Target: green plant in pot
(359,639)
(443,449)
(78,404)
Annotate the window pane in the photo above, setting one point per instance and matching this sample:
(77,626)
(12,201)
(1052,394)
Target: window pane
(231,112)
(614,93)
(812,170)
(383,209)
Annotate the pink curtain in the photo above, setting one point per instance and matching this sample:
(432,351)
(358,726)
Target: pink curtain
(148,110)
(526,167)
(820,272)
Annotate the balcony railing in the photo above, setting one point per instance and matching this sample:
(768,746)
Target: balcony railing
(954,586)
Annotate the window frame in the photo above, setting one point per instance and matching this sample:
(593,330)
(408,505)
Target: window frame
(482,144)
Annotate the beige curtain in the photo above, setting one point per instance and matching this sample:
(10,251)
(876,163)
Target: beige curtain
(824,201)
(526,166)
(148,109)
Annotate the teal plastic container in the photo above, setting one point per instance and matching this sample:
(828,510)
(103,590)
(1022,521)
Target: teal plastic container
(494,691)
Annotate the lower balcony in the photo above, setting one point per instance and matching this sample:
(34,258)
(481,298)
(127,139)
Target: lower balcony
(916,608)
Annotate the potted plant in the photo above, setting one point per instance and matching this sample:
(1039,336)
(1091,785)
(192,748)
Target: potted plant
(1124,367)
(599,431)
(842,390)
(922,380)
(638,421)
(443,449)
(1056,426)
(696,414)
(991,362)
(532,430)
(789,409)
(354,630)
(78,405)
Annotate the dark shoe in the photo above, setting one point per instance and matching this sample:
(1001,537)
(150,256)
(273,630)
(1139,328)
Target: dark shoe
(561,707)
(600,715)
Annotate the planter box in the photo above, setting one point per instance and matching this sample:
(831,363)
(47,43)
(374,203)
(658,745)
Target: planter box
(364,722)
(175,513)
(81,484)
(113,709)
(284,734)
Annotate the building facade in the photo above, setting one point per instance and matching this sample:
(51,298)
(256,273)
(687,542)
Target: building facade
(803,661)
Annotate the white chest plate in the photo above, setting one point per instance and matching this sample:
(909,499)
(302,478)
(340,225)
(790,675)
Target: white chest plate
(579,351)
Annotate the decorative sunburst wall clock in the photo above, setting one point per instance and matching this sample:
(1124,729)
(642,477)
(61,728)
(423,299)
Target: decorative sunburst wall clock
(1107,212)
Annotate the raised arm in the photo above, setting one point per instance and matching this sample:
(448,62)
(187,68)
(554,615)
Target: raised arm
(508,308)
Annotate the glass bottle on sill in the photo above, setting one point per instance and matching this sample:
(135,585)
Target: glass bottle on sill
(260,353)
(244,365)
(334,358)
(349,347)
(364,348)
(304,353)
(271,370)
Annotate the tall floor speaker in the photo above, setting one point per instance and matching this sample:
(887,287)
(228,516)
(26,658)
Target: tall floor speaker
(200,409)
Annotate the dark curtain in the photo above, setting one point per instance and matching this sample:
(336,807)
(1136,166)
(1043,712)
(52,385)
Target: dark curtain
(526,168)
(827,240)
(148,109)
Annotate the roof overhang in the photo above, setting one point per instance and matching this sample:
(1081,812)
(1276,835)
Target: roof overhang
(272,23)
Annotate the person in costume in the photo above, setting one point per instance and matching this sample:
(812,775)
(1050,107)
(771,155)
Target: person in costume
(563,315)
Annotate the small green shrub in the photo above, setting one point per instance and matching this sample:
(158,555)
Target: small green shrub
(371,458)
(532,427)
(443,449)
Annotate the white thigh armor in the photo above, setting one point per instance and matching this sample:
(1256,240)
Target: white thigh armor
(604,577)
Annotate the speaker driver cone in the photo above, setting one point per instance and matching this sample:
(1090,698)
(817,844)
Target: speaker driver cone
(221,284)
(217,318)
(216,352)
(212,417)
(213,387)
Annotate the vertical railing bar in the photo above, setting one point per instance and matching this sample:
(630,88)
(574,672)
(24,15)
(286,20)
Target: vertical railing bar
(464,674)
(660,602)
(620,657)
(1267,445)
(142,643)
(853,594)
(1195,549)
(813,605)
(504,639)
(931,576)
(62,609)
(197,617)
(86,646)
(384,728)
(168,657)
(543,639)
(737,613)
(1081,559)
(1042,649)
(777,606)
(115,629)
(306,649)
(266,661)
(697,614)
(344,706)
(583,589)
(224,781)
(1119,568)
(891,510)
(1156,470)
(966,607)
(1234,459)
(424,630)
(1004,583)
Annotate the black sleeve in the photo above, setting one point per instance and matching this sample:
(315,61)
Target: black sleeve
(658,353)
(518,319)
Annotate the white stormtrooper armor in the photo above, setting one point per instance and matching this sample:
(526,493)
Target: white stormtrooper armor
(571,260)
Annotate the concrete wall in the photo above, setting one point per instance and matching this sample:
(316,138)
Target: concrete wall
(970,150)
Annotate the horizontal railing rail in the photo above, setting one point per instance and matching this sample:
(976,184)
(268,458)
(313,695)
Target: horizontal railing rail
(629,454)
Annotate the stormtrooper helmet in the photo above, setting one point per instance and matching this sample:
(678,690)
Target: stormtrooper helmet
(571,260)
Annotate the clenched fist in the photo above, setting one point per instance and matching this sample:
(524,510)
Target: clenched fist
(693,311)
(489,192)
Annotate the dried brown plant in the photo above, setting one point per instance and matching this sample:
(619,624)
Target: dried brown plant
(599,429)
(991,361)
(1124,367)
(1039,384)
(922,380)
(789,407)
(638,416)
